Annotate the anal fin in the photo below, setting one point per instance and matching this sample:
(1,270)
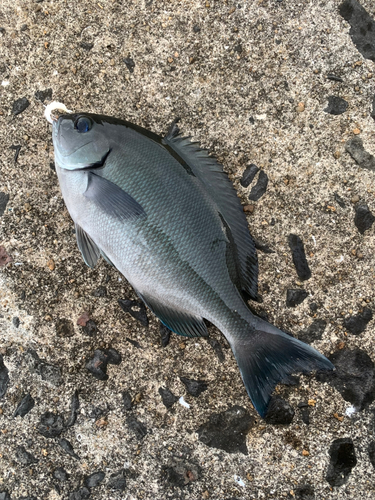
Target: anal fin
(177,320)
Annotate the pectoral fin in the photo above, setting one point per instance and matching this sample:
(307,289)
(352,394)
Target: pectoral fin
(112,199)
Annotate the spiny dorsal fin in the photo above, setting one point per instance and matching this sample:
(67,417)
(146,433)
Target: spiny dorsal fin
(220,188)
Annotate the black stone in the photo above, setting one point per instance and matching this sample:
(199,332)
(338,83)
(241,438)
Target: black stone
(52,166)
(60,474)
(135,343)
(179,473)
(86,45)
(80,494)
(251,120)
(20,105)
(90,328)
(305,414)
(32,360)
(97,366)
(24,406)
(371,453)
(16,322)
(113,356)
(4,198)
(129,63)
(169,399)
(216,346)
(263,247)
(339,200)
(304,492)
(74,406)
(51,425)
(68,447)
(64,328)
(363,218)
(295,297)
(357,324)
(196,29)
(135,308)
(42,95)
(313,306)
(342,461)
(373,108)
(23,457)
(335,78)
(336,105)
(17,149)
(165,334)
(127,400)
(290,380)
(50,373)
(101,291)
(4,495)
(248,175)
(279,412)
(362,27)
(194,387)
(28,498)
(299,257)
(313,332)
(354,376)
(117,481)
(227,430)
(136,427)
(4,378)
(354,147)
(260,187)
(94,479)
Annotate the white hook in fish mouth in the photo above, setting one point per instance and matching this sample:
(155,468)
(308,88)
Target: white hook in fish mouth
(54,109)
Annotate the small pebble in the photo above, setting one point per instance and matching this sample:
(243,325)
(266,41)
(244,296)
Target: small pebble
(279,412)
(357,324)
(342,461)
(117,481)
(336,105)
(194,387)
(363,218)
(50,425)
(299,257)
(51,264)
(165,334)
(4,378)
(127,400)
(248,175)
(67,446)
(4,198)
(136,427)
(169,399)
(135,308)
(260,188)
(300,107)
(129,63)
(94,479)
(20,105)
(60,474)
(26,404)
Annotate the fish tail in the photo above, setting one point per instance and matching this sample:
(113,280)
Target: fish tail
(267,355)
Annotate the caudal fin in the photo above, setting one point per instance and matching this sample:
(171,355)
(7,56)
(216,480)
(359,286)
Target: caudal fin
(267,356)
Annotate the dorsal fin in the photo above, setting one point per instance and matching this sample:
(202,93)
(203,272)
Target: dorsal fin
(220,188)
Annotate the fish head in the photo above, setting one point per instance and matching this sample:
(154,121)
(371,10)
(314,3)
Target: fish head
(80,141)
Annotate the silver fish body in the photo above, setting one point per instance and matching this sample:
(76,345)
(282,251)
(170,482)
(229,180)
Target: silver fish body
(166,216)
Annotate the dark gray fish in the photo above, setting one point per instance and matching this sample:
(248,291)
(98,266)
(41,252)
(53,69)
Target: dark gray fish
(164,213)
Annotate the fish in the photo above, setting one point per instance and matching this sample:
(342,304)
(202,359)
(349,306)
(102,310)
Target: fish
(164,213)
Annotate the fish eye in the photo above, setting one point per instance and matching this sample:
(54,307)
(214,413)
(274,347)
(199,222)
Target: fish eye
(83,124)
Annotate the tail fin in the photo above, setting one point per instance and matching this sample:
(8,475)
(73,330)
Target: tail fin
(269,355)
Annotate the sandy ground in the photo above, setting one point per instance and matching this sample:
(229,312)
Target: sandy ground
(249,81)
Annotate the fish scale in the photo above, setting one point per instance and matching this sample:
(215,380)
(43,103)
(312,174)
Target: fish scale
(166,216)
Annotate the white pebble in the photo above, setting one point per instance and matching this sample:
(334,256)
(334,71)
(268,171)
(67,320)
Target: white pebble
(239,481)
(183,402)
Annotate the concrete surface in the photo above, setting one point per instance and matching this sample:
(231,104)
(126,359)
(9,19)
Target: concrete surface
(235,73)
